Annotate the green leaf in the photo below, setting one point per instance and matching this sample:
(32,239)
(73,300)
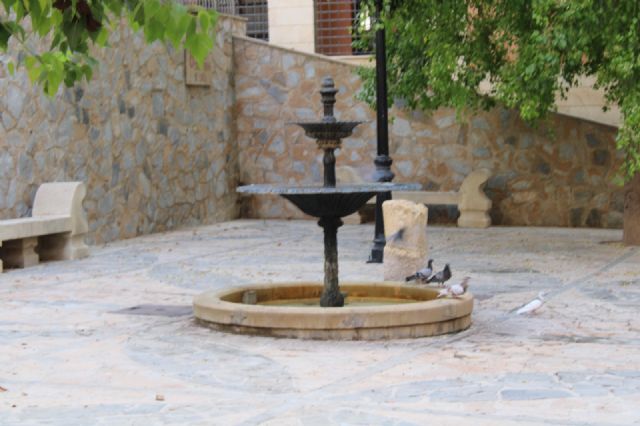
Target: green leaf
(32,64)
(11,68)
(199,46)
(66,57)
(103,37)
(177,27)
(203,17)
(5,35)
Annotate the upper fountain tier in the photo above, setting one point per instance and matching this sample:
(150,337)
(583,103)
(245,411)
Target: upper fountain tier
(328,132)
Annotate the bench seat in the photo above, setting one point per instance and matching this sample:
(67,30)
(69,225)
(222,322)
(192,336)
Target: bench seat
(27,227)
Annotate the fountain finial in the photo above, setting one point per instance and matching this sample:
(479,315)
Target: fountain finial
(328,92)
(328,132)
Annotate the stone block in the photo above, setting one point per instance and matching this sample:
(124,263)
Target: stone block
(406,251)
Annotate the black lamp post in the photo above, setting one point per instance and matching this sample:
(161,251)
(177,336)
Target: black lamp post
(383,161)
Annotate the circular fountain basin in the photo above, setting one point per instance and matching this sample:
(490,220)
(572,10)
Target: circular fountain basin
(373,311)
(328,130)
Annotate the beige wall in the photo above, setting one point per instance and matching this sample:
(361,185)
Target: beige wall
(586,103)
(291,24)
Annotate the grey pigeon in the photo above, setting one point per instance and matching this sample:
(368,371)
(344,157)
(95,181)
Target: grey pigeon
(442,276)
(398,236)
(423,274)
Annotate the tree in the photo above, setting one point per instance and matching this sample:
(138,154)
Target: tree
(439,51)
(73,27)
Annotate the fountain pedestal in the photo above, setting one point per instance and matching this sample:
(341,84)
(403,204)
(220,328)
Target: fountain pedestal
(331,295)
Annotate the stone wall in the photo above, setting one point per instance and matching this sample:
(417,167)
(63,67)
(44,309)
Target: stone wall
(155,154)
(559,174)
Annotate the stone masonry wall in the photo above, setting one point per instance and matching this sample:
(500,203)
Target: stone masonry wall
(559,174)
(154,153)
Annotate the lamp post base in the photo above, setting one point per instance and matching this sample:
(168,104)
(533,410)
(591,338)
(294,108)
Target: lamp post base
(383,173)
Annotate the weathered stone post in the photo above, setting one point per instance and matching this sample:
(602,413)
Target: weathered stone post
(405,225)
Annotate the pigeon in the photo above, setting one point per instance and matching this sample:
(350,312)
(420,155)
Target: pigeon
(532,306)
(423,274)
(442,276)
(455,290)
(398,236)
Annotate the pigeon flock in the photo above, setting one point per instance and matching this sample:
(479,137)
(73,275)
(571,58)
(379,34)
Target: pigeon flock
(426,275)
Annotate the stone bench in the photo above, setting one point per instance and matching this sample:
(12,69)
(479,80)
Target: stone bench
(55,231)
(472,203)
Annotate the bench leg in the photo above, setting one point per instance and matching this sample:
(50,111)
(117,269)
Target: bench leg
(352,219)
(20,253)
(474,219)
(62,247)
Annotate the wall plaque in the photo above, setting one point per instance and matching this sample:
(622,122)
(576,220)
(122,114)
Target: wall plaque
(195,75)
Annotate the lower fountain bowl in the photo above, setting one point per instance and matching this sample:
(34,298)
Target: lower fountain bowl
(373,311)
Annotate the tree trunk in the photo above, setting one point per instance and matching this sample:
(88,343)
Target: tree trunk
(631,233)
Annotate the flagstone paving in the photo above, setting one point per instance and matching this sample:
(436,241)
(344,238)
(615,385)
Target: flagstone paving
(111,340)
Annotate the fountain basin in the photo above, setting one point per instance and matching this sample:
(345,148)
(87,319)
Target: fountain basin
(417,312)
(331,130)
(319,201)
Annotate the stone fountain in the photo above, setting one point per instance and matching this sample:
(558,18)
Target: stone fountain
(274,309)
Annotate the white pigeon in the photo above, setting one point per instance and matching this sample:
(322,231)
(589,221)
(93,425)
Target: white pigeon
(455,290)
(532,306)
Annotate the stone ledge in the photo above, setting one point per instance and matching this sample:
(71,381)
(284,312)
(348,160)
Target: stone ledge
(12,229)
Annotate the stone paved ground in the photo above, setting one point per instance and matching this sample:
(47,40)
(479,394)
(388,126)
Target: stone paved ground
(72,351)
